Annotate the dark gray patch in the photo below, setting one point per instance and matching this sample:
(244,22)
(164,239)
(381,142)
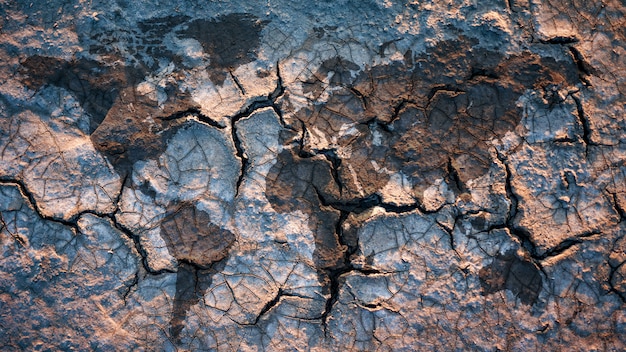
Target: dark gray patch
(508,271)
(299,183)
(145,46)
(230,40)
(151,47)
(340,71)
(96,86)
(198,245)
(118,125)
(432,117)
(147,189)
(125,136)
(191,236)
(191,285)
(478,222)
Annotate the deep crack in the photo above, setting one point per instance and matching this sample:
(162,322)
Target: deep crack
(268,101)
(521,234)
(195,112)
(584,123)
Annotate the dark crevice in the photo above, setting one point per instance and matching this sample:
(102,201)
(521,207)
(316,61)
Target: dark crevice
(584,68)
(239,151)
(395,114)
(584,123)
(129,287)
(16,236)
(359,205)
(138,247)
(265,102)
(269,305)
(195,112)
(511,5)
(268,101)
(335,161)
(565,245)
(333,276)
(482,73)
(371,306)
(522,234)
(334,273)
(31,199)
(407,208)
(560,40)
(237,83)
(442,88)
(361,96)
(72,223)
(273,303)
(616,204)
(126,182)
(613,269)
(302,141)
(454,178)
(280,88)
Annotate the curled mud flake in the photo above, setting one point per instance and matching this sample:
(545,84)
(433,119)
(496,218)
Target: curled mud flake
(512,273)
(192,237)
(230,40)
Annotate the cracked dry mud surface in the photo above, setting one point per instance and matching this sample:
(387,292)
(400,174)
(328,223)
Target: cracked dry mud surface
(347,175)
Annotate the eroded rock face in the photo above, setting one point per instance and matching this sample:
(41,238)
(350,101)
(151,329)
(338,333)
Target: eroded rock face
(338,176)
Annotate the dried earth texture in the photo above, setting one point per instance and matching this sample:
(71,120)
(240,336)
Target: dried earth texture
(368,175)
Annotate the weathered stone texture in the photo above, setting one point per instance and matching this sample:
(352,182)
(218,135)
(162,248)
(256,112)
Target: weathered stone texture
(348,175)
